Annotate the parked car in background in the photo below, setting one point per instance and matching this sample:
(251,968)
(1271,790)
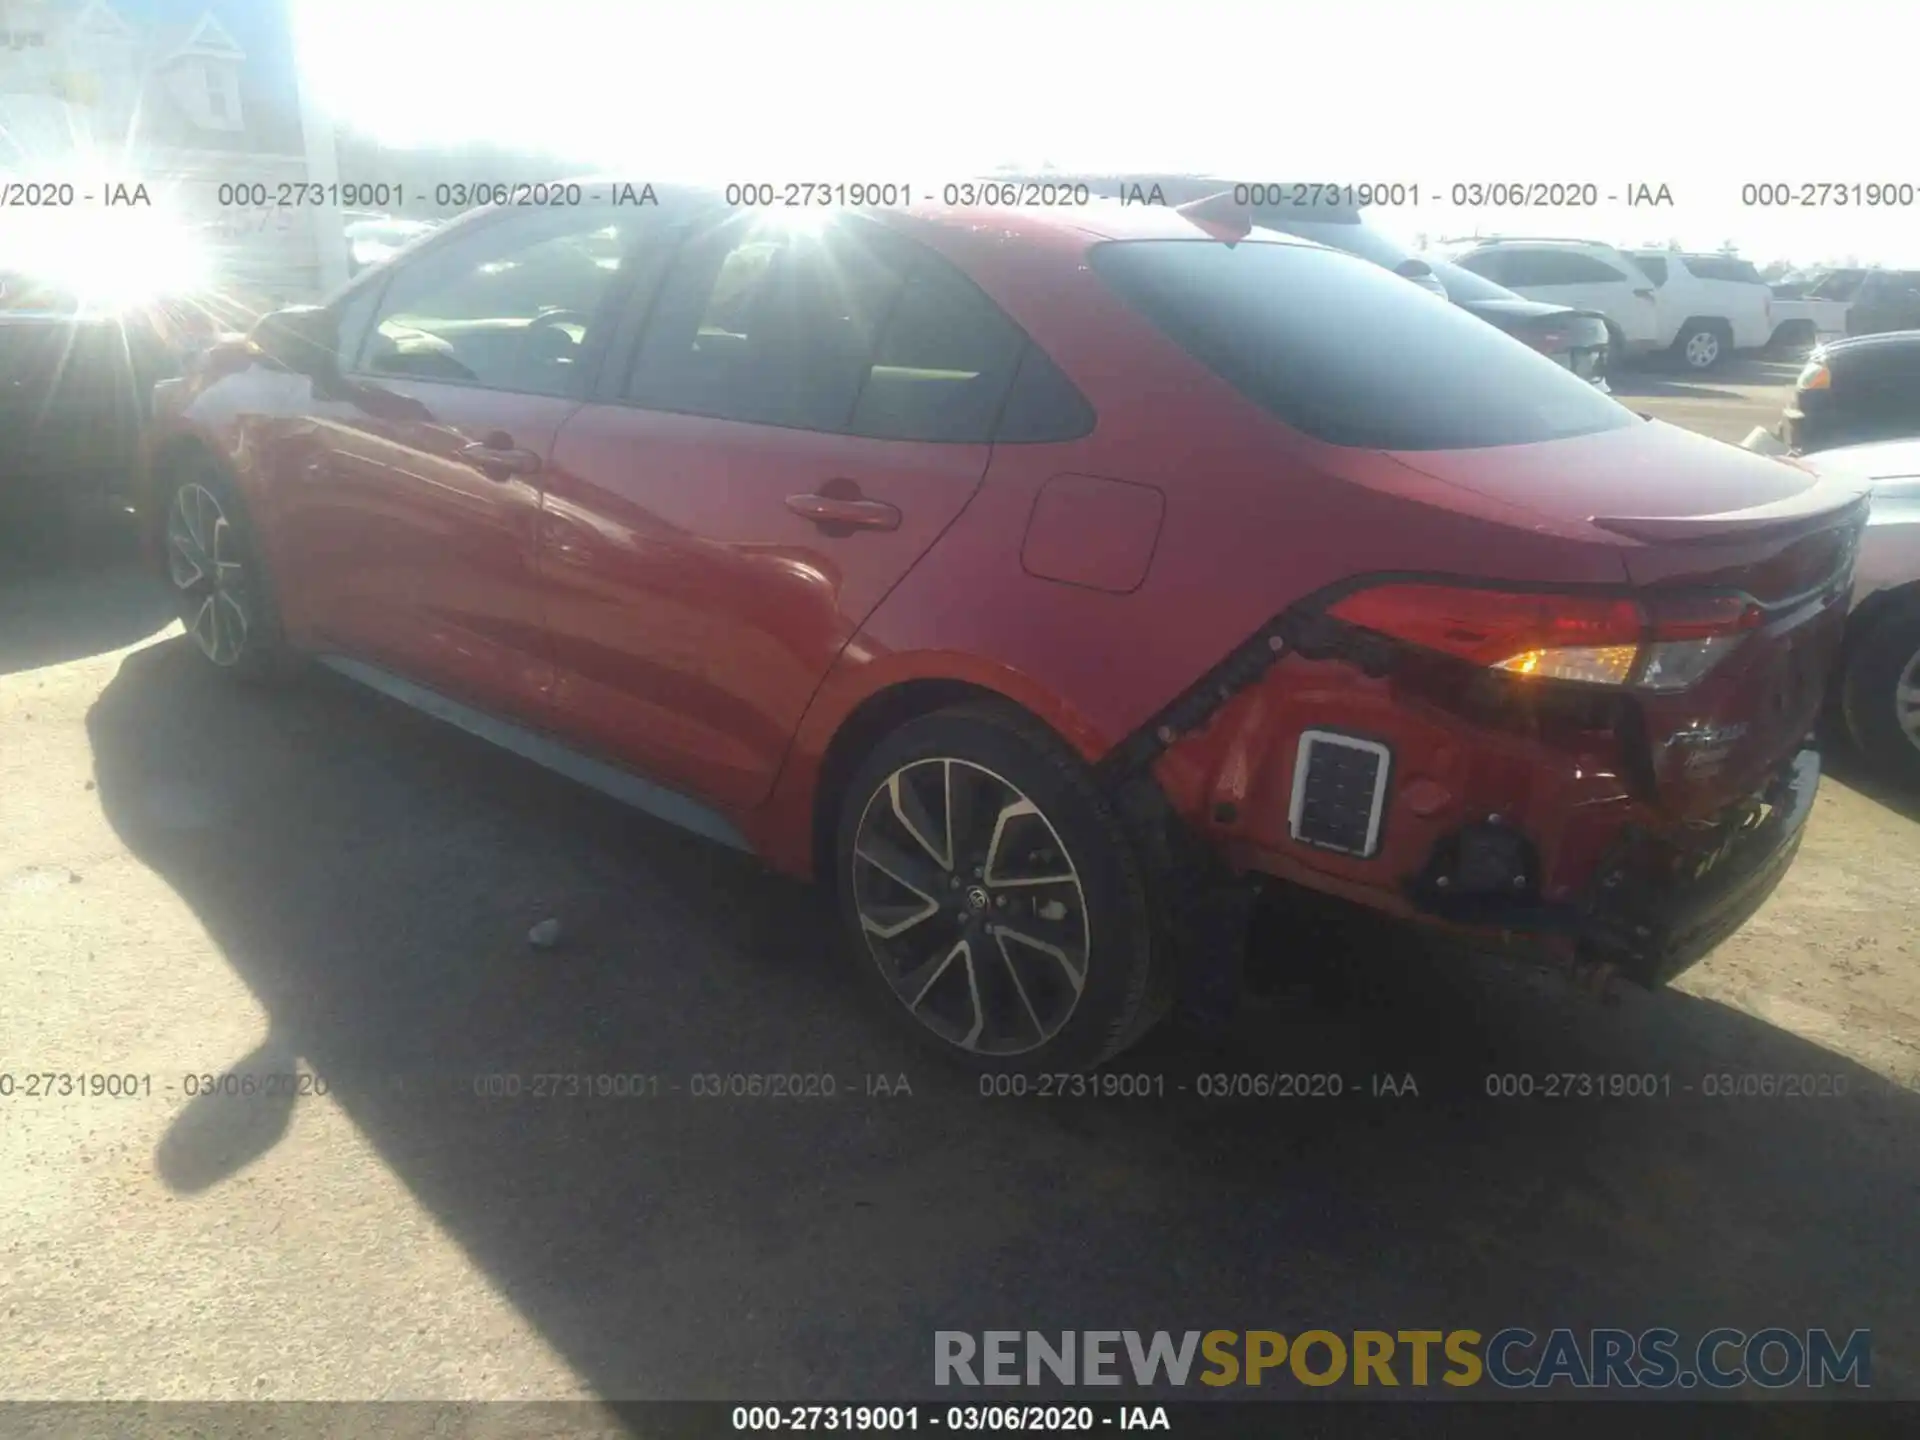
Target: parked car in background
(1879,679)
(804,566)
(1855,390)
(373,238)
(75,380)
(1880,685)
(1576,339)
(1709,305)
(1828,282)
(1886,300)
(1343,227)
(1812,307)
(1579,274)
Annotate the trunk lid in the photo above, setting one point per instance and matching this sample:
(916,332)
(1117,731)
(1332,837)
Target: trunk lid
(1690,514)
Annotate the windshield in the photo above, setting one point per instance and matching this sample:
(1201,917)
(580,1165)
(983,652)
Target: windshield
(1347,352)
(1835,285)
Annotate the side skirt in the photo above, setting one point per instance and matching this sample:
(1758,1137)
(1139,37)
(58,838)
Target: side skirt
(621,785)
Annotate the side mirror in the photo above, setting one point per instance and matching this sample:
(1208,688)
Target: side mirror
(1413,268)
(303,338)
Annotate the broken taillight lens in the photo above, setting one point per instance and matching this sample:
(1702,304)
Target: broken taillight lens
(1666,642)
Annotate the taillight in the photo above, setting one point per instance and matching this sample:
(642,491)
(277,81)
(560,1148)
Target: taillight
(1814,377)
(1666,643)
(1547,341)
(1687,635)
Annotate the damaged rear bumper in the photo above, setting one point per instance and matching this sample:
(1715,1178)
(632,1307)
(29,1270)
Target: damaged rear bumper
(1657,907)
(1546,832)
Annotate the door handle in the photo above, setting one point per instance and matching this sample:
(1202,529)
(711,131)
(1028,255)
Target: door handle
(496,460)
(831,510)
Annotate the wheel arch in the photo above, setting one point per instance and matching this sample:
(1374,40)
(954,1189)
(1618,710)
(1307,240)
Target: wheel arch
(1872,612)
(1794,332)
(892,704)
(169,458)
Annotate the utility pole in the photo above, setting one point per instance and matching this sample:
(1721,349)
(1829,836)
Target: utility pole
(323,168)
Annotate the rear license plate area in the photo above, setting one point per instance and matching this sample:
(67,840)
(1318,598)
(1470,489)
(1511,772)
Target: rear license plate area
(1339,792)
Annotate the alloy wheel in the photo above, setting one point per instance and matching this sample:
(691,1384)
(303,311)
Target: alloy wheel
(1703,348)
(204,565)
(1906,700)
(971,906)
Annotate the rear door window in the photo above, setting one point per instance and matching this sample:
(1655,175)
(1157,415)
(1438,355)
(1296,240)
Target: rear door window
(944,363)
(849,329)
(1525,268)
(1489,264)
(1347,352)
(768,323)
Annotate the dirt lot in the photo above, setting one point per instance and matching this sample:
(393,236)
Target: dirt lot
(198,880)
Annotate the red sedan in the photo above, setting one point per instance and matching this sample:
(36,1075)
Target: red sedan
(1026,576)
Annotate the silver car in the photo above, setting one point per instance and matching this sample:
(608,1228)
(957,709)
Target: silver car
(1880,682)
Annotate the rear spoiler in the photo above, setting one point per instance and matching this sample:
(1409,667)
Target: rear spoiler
(1219,215)
(1834,501)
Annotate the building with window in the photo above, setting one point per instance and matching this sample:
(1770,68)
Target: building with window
(182,96)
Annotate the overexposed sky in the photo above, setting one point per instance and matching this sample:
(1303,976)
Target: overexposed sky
(1699,97)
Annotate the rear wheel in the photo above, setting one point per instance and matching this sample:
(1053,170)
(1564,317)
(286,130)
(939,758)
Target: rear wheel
(994,897)
(1881,693)
(220,583)
(1701,345)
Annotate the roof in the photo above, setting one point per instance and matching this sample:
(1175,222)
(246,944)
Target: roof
(1066,226)
(1886,340)
(1078,225)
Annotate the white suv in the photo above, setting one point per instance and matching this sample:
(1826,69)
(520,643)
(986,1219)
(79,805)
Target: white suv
(1581,274)
(1708,304)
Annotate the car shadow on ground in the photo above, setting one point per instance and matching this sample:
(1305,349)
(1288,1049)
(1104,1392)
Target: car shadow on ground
(1843,762)
(59,604)
(371,876)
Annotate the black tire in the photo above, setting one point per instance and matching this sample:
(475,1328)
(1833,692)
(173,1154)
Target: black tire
(260,653)
(1702,345)
(1616,349)
(1119,937)
(1879,659)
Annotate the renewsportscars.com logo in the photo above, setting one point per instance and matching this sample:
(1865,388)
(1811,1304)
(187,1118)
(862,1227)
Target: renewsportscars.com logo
(1513,1359)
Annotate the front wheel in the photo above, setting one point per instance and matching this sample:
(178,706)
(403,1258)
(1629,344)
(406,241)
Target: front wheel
(220,584)
(993,896)
(1881,693)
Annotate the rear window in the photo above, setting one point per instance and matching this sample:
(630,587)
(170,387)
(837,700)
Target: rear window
(1464,284)
(1349,235)
(1347,352)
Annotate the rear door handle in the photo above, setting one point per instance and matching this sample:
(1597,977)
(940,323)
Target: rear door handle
(496,460)
(830,510)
